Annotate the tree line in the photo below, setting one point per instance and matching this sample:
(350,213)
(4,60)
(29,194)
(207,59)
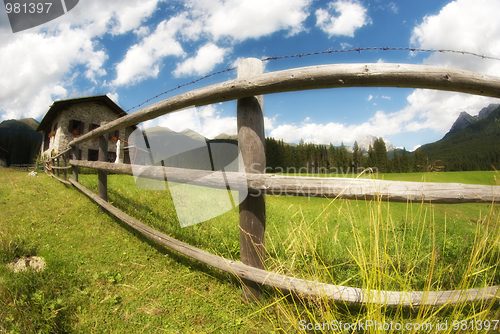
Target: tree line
(328,159)
(21,148)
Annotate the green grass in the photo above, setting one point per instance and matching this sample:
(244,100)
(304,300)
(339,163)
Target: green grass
(102,277)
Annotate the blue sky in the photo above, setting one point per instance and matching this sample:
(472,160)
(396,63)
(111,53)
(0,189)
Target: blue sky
(133,50)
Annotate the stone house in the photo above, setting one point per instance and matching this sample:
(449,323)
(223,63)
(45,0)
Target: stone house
(67,119)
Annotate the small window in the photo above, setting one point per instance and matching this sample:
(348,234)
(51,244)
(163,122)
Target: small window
(75,128)
(93,155)
(111,156)
(93,126)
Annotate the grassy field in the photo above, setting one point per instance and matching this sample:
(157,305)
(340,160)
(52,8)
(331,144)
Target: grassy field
(102,277)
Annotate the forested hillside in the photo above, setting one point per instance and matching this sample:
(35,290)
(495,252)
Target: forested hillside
(475,147)
(20,140)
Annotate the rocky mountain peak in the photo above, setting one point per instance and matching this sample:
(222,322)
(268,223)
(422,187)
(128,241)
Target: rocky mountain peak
(463,121)
(485,112)
(368,140)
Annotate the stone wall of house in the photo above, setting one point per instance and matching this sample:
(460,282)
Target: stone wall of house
(88,113)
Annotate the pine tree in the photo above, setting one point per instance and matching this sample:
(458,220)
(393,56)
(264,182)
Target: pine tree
(419,164)
(343,159)
(356,156)
(395,162)
(381,154)
(371,161)
(404,163)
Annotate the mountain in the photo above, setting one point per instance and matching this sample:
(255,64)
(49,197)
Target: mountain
(225,136)
(474,147)
(20,140)
(193,134)
(13,127)
(465,119)
(189,149)
(368,140)
(32,123)
(485,112)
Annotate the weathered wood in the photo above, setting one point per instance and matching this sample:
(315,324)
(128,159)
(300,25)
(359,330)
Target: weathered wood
(102,175)
(62,153)
(251,144)
(331,187)
(60,180)
(299,286)
(65,172)
(313,77)
(63,167)
(75,168)
(57,167)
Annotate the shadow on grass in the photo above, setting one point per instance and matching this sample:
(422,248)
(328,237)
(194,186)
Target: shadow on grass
(177,257)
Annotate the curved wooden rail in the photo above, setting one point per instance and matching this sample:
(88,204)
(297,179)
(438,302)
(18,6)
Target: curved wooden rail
(361,188)
(313,77)
(299,286)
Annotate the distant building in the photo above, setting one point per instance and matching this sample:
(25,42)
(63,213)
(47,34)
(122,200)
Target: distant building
(67,119)
(3,157)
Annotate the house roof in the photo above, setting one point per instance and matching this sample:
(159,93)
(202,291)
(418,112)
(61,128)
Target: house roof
(58,106)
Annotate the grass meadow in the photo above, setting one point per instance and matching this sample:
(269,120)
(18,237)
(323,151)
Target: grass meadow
(103,277)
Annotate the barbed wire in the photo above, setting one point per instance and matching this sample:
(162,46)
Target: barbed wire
(183,85)
(382,49)
(300,55)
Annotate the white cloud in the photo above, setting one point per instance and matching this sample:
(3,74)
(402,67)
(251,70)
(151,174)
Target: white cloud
(41,65)
(205,60)
(113,97)
(242,19)
(345,45)
(393,7)
(370,97)
(380,125)
(207,121)
(463,25)
(386,97)
(351,16)
(130,17)
(37,69)
(143,60)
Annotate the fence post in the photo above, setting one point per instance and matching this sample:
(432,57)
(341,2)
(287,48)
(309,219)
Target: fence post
(57,165)
(103,175)
(65,172)
(251,142)
(75,168)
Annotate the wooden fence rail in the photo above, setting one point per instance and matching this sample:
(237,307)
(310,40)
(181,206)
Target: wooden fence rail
(331,187)
(23,167)
(247,89)
(299,286)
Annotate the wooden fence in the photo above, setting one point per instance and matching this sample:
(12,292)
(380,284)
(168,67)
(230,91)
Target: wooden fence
(23,167)
(248,89)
